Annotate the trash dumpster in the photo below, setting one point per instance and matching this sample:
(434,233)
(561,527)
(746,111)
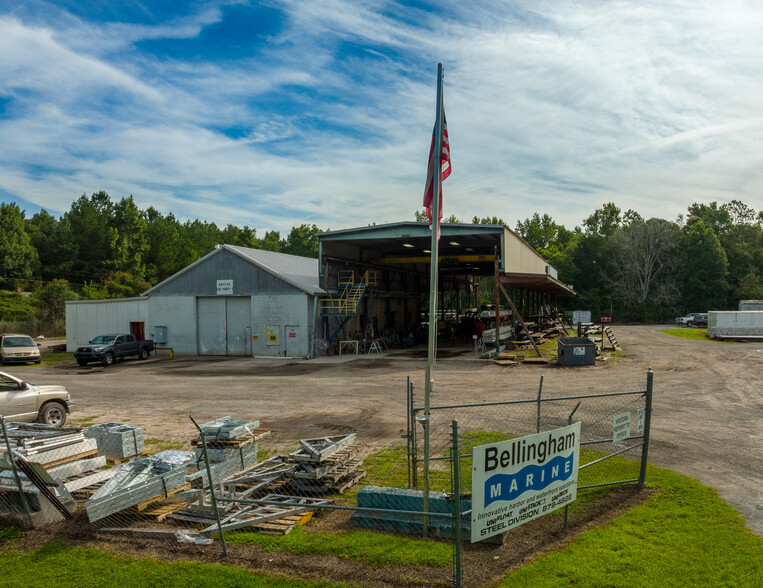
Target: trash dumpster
(576,351)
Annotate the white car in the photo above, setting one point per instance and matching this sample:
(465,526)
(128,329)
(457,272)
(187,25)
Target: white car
(27,403)
(18,349)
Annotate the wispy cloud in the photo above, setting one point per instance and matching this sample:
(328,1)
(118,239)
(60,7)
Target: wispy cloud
(323,113)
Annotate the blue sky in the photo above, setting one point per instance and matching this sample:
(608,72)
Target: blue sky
(277,113)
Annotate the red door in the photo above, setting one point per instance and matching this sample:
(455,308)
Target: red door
(138,330)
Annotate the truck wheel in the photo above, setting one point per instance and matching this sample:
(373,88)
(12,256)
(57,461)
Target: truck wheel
(144,353)
(52,413)
(108,359)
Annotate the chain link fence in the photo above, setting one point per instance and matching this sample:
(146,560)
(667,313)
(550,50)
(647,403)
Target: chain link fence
(328,503)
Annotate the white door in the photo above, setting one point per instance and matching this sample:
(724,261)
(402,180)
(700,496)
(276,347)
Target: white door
(211,326)
(293,342)
(238,323)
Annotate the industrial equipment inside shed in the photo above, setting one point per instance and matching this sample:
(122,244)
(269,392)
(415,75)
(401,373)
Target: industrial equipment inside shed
(377,278)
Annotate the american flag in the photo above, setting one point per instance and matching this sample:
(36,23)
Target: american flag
(444,167)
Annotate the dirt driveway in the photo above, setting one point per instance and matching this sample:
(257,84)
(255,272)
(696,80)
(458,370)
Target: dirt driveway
(707,419)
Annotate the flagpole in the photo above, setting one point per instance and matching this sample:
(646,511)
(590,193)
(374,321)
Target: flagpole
(433,278)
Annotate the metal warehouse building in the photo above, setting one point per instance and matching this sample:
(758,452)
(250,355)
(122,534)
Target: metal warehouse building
(368,282)
(233,301)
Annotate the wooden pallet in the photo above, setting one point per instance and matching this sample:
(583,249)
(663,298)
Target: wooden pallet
(160,511)
(285,525)
(536,360)
(505,362)
(257,434)
(64,460)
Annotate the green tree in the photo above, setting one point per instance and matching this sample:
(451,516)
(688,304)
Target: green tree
(18,257)
(93,238)
(706,268)
(246,237)
(646,258)
(14,306)
(543,232)
(51,301)
(302,240)
(273,242)
(129,238)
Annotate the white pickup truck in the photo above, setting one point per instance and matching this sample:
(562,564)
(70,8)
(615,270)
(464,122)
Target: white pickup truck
(25,402)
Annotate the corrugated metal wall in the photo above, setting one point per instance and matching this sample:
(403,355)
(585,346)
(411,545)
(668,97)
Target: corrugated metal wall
(247,279)
(87,318)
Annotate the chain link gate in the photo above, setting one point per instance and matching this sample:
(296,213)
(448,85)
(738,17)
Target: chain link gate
(611,454)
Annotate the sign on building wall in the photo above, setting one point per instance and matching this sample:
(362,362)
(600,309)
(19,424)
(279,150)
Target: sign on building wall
(517,481)
(271,335)
(225,287)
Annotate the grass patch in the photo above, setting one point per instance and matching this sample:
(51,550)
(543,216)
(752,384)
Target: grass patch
(687,333)
(376,548)
(10,534)
(56,564)
(83,421)
(153,446)
(56,358)
(684,535)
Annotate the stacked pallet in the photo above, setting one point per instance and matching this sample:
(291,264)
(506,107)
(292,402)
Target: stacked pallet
(326,465)
(231,446)
(117,440)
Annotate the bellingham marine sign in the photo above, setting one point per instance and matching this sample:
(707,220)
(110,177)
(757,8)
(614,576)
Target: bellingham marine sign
(519,480)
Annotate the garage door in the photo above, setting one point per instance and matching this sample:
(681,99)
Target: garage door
(223,324)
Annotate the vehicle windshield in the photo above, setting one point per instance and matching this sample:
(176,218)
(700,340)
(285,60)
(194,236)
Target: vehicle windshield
(104,339)
(18,342)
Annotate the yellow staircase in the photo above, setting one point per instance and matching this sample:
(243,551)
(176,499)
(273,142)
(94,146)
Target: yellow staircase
(348,302)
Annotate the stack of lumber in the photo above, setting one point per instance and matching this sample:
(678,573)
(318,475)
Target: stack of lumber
(46,445)
(326,465)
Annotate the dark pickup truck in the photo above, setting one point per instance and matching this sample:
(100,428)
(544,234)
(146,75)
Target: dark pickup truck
(108,348)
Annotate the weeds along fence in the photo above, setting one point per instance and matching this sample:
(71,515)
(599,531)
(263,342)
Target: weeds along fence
(319,503)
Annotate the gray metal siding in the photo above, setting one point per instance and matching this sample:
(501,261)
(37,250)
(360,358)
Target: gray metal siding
(248,280)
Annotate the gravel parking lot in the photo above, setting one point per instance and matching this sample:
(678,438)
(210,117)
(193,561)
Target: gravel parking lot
(707,419)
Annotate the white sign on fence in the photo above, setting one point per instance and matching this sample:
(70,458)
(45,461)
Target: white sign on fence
(621,426)
(516,481)
(640,414)
(224,287)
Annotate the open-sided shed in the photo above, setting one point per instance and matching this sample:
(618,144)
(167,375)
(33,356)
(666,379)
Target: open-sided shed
(379,275)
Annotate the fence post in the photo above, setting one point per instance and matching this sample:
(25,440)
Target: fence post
(9,457)
(540,390)
(211,486)
(457,503)
(647,427)
(408,425)
(414,441)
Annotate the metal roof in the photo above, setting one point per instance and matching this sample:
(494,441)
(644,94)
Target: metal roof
(300,272)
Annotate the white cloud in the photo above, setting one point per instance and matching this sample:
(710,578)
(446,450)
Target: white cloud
(553,107)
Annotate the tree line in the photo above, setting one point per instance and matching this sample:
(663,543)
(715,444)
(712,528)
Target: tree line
(618,262)
(651,269)
(101,248)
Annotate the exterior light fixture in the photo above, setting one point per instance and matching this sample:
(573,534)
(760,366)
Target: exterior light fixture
(407,245)
(455,243)
(427,251)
